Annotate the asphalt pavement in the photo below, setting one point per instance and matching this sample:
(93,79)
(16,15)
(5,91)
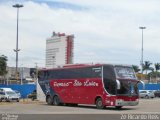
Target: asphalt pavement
(147,109)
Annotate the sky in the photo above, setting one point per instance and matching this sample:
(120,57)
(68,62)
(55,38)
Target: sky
(105,31)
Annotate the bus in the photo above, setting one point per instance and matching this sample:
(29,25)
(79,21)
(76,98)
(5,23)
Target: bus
(99,84)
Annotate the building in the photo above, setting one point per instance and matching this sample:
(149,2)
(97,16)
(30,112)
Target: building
(59,50)
(23,75)
(23,72)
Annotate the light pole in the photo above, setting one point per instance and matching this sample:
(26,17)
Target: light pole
(142,28)
(17,50)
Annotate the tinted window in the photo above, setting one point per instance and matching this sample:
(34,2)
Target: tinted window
(109,79)
(89,72)
(125,72)
(143,91)
(127,88)
(2,93)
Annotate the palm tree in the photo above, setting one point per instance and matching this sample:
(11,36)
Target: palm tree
(136,68)
(157,67)
(146,66)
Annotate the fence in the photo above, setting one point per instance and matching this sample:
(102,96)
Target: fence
(23,89)
(150,87)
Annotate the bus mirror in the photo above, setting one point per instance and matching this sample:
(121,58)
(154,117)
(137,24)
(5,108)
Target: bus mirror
(142,84)
(118,84)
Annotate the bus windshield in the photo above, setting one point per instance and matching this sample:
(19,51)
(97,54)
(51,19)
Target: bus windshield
(125,72)
(128,88)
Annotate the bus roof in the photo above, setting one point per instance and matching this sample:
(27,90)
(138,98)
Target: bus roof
(69,66)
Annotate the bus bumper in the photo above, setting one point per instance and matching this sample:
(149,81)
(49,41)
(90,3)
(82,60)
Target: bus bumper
(121,102)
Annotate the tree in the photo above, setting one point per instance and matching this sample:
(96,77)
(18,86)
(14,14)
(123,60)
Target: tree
(157,67)
(146,66)
(3,65)
(136,68)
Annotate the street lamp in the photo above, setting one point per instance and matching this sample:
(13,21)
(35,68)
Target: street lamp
(17,50)
(142,28)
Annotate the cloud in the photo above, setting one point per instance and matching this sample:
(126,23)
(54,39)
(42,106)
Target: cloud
(105,31)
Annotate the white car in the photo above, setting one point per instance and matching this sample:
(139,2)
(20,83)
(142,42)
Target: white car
(10,95)
(18,93)
(146,94)
(2,96)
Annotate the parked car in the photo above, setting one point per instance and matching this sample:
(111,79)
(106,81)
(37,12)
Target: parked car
(18,93)
(2,96)
(146,94)
(157,93)
(33,95)
(10,95)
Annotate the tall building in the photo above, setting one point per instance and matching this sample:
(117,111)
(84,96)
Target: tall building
(59,50)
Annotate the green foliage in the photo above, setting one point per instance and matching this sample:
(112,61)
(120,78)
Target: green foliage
(157,66)
(3,65)
(136,68)
(153,71)
(146,66)
(154,74)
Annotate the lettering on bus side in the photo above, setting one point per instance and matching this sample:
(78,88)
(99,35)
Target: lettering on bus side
(90,83)
(76,83)
(62,84)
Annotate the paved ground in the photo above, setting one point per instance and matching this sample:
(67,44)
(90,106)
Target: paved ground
(28,110)
(145,106)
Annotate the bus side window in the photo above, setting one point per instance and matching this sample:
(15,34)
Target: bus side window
(49,75)
(46,75)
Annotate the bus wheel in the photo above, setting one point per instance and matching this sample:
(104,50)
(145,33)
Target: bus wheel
(71,104)
(118,107)
(49,100)
(99,103)
(56,100)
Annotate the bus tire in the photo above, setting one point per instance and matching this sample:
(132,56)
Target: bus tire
(73,105)
(99,103)
(49,100)
(56,100)
(118,107)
